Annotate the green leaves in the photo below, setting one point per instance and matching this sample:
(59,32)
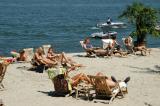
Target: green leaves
(143,17)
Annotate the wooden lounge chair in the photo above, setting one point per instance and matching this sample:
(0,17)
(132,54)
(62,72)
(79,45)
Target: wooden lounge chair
(134,49)
(3,68)
(103,90)
(29,52)
(94,52)
(45,49)
(89,53)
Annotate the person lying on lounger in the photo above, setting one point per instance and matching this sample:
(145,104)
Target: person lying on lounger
(75,80)
(62,58)
(131,48)
(22,56)
(93,50)
(41,59)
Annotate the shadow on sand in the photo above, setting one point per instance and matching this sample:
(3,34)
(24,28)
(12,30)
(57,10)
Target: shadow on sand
(155,70)
(54,94)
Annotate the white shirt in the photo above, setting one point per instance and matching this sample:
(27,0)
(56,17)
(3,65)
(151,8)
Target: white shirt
(106,42)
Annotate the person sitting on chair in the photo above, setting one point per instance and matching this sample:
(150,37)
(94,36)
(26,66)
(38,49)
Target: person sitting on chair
(131,48)
(93,50)
(62,58)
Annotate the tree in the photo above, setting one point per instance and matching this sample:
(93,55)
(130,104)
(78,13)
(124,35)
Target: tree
(144,18)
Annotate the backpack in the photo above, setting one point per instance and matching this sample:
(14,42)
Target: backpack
(61,84)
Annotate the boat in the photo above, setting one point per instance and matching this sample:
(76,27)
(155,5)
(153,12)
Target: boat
(112,25)
(102,35)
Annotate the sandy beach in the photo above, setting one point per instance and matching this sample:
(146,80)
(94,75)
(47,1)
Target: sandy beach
(28,88)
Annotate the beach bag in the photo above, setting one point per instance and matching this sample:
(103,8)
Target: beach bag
(53,72)
(62,85)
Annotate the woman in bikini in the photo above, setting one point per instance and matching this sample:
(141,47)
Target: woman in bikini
(41,59)
(62,58)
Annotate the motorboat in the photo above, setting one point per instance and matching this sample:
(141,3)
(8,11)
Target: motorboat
(103,35)
(112,25)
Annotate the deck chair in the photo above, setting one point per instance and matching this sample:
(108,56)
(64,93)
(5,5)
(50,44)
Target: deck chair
(45,48)
(103,90)
(88,52)
(96,52)
(29,52)
(85,89)
(3,68)
(133,50)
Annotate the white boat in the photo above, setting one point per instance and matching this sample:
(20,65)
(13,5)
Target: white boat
(102,35)
(112,25)
(157,27)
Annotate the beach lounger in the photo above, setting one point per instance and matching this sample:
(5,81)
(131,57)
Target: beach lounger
(3,68)
(94,52)
(85,89)
(88,52)
(102,89)
(29,52)
(45,48)
(133,50)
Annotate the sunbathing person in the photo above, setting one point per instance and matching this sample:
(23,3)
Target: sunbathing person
(93,50)
(82,77)
(129,45)
(62,58)
(88,46)
(41,59)
(113,47)
(131,48)
(22,56)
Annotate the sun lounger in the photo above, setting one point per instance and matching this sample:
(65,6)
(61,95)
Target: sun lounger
(102,89)
(133,50)
(29,52)
(3,68)
(85,89)
(45,48)
(94,52)
(89,53)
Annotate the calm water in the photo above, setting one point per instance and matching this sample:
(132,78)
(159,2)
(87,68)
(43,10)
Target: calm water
(62,23)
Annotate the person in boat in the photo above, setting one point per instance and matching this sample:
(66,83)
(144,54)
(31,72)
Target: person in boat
(109,20)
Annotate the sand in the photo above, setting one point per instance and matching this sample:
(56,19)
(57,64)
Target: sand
(28,88)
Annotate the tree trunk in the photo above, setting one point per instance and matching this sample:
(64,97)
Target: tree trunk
(140,35)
